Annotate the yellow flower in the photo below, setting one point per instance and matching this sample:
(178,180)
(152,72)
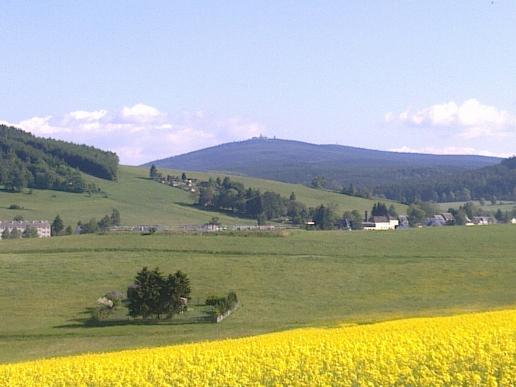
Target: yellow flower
(474,349)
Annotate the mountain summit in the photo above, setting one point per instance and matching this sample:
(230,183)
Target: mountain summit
(300,162)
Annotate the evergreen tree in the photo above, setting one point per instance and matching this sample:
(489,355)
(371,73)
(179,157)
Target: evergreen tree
(15,234)
(380,209)
(104,223)
(30,232)
(57,226)
(91,227)
(500,216)
(392,211)
(68,230)
(153,172)
(6,234)
(324,217)
(292,197)
(115,217)
(153,295)
(144,296)
(356,220)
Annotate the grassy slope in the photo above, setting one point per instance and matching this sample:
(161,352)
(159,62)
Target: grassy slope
(139,200)
(307,278)
(311,197)
(505,206)
(142,201)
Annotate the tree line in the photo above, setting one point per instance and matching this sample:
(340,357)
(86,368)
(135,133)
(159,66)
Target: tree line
(57,227)
(27,161)
(493,183)
(228,195)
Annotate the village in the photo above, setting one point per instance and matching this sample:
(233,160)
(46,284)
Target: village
(11,229)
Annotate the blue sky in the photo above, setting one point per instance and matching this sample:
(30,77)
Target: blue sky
(156,78)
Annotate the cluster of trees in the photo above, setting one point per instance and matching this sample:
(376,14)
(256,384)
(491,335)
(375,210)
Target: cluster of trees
(57,228)
(489,183)
(380,209)
(418,212)
(505,216)
(107,221)
(227,195)
(154,295)
(222,305)
(353,190)
(30,161)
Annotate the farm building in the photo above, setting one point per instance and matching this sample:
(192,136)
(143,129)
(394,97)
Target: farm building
(380,223)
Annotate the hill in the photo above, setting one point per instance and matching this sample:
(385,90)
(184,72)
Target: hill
(300,162)
(143,201)
(35,162)
(489,183)
(300,280)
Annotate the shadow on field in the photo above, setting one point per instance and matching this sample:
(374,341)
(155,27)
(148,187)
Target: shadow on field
(89,322)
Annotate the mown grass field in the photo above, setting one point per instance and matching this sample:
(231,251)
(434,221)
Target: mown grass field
(303,279)
(142,201)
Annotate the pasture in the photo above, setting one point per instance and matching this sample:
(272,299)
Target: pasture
(143,201)
(300,280)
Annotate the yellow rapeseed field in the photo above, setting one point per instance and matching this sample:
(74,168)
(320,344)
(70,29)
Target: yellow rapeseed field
(473,349)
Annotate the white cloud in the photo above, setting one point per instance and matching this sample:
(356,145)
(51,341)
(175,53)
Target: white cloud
(450,150)
(142,133)
(41,126)
(472,118)
(81,115)
(141,112)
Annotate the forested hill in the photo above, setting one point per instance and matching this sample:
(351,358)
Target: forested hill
(337,166)
(489,183)
(35,162)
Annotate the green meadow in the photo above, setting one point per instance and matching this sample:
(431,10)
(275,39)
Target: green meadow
(143,201)
(295,280)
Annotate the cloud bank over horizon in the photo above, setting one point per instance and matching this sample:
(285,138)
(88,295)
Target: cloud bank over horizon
(466,128)
(468,120)
(141,133)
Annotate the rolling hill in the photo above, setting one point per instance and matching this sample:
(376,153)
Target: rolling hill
(143,201)
(300,162)
(36,162)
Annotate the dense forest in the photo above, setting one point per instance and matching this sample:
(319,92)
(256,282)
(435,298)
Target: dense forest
(489,183)
(227,195)
(35,162)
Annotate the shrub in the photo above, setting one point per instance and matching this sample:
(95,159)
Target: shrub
(222,305)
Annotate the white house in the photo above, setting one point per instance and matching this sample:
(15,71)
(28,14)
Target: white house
(381,223)
(513,220)
(41,226)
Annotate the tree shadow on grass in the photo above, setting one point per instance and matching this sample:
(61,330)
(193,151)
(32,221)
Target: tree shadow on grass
(89,322)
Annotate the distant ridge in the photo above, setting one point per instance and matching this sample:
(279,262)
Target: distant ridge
(300,162)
